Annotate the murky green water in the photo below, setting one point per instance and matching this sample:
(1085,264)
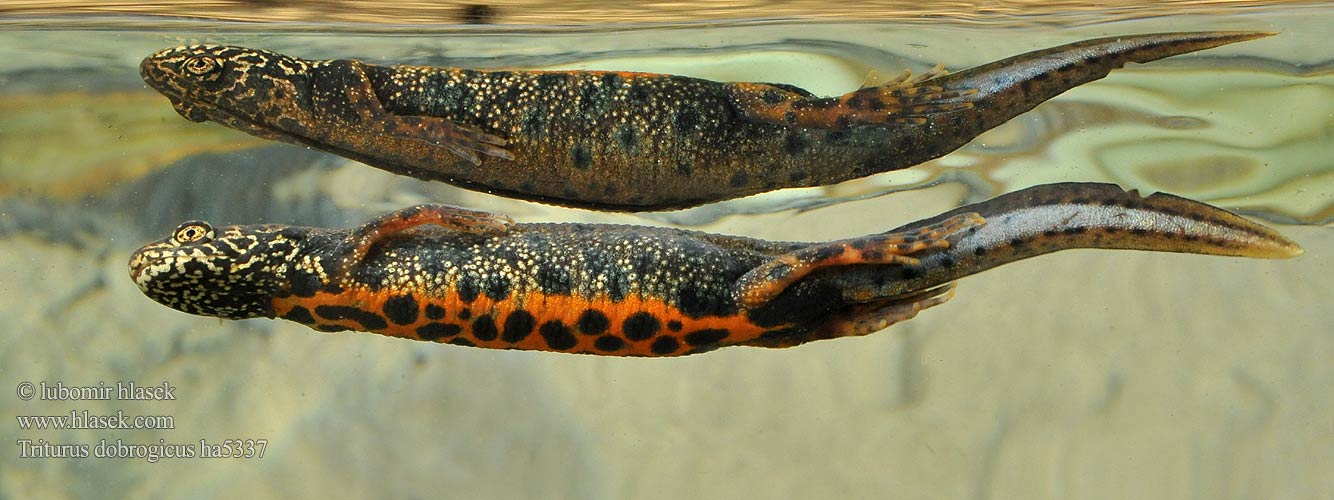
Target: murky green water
(1083,374)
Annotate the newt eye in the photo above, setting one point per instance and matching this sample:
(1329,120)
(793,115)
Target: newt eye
(201,65)
(193,232)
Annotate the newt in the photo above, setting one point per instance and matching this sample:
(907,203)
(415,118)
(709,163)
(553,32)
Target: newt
(625,141)
(446,274)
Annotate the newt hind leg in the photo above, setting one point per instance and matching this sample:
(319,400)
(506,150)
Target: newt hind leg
(864,319)
(766,281)
(446,216)
(904,99)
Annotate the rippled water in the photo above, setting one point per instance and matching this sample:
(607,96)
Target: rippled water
(1083,374)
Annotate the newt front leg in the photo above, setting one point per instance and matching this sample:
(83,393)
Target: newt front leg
(342,88)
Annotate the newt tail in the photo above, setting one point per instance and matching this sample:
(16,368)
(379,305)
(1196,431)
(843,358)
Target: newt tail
(444,274)
(619,140)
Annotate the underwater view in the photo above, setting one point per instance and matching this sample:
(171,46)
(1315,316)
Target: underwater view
(591,251)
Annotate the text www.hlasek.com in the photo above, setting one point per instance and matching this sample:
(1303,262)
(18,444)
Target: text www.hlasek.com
(85,420)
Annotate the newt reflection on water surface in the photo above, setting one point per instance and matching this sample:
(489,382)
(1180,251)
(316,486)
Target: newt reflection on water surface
(445,274)
(625,141)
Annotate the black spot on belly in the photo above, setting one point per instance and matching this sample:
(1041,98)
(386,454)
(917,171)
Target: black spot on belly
(684,169)
(434,311)
(463,342)
(484,328)
(535,122)
(518,326)
(608,343)
(401,309)
(640,326)
(706,337)
(640,95)
(435,331)
(740,178)
(627,138)
(300,315)
(772,96)
(558,336)
(674,325)
(368,320)
(592,322)
(795,143)
(686,120)
(332,328)
(477,14)
(1026,86)
(665,345)
(581,157)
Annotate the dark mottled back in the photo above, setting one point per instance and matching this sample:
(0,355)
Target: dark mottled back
(692,271)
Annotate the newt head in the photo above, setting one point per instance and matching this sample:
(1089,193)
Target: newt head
(233,273)
(242,88)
